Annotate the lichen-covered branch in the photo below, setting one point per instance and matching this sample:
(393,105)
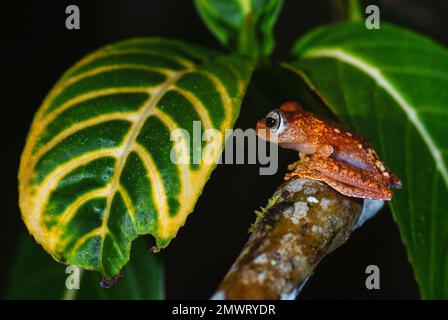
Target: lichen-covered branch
(304,221)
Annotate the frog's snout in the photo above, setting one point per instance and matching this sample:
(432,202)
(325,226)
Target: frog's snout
(260,125)
(261,130)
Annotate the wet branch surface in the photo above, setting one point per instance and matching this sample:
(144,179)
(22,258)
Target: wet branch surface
(304,221)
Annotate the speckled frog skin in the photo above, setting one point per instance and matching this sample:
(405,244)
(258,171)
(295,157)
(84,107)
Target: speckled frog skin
(328,153)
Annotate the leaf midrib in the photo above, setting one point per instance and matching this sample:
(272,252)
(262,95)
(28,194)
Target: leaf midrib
(130,141)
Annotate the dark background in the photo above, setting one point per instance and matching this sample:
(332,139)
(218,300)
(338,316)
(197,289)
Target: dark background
(37,48)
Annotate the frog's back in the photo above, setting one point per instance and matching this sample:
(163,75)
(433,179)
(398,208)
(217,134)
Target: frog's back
(353,149)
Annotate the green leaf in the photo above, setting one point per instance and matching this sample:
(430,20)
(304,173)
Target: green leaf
(245,26)
(390,85)
(96,171)
(35,275)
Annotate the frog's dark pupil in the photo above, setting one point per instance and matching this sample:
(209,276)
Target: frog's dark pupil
(270,122)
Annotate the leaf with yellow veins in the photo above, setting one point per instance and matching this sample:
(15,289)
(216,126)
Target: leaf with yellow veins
(96,170)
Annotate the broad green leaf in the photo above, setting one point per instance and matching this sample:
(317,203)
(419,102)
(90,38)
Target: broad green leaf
(390,85)
(243,25)
(96,171)
(35,275)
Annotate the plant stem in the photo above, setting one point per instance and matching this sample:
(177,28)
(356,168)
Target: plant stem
(70,294)
(305,220)
(348,10)
(354,12)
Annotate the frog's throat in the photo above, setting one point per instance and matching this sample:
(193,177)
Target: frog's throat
(299,147)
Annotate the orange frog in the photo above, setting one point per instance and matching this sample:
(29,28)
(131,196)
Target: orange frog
(328,153)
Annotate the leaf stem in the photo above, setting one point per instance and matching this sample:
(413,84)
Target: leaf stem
(354,12)
(70,294)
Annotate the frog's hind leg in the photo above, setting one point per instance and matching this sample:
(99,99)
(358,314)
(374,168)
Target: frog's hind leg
(346,179)
(345,189)
(348,174)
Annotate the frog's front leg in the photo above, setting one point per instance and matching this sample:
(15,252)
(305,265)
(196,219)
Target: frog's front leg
(298,166)
(302,157)
(323,151)
(348,180)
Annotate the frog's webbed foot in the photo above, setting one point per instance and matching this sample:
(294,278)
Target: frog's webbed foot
(296,169)
(293,166)
(302,158)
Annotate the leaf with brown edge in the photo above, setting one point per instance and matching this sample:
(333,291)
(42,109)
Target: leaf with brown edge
(96,170)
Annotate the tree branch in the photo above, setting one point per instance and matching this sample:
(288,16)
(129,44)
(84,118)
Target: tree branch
(304,221)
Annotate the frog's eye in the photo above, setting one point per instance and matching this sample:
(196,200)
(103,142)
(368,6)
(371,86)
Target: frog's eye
(274,122)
